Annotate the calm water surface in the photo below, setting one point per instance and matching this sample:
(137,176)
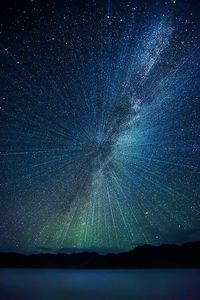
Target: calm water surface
(99,284)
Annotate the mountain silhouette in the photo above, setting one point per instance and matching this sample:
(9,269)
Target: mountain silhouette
(146,256)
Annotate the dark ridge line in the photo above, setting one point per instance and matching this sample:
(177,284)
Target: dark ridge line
(146,256)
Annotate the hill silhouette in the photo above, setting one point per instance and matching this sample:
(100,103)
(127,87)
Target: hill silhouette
(147,256)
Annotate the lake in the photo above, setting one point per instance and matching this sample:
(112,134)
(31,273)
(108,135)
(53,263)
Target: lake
(54,284)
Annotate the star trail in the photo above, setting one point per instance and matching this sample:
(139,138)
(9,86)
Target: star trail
(99,113)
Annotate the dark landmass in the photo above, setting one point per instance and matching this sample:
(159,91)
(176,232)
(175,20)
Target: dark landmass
(147,256)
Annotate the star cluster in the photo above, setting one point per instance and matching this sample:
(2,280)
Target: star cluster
(99,121)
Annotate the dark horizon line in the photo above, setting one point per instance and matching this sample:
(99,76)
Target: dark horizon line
(147,256)
(92,249)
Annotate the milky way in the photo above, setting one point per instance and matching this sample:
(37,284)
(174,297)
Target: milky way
(99,121)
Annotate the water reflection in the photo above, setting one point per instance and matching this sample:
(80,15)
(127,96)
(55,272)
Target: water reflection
(21,284)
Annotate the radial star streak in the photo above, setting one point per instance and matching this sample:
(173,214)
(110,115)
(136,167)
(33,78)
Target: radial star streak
(100,136)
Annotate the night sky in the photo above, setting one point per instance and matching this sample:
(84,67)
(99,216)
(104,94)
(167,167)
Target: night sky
(99,124)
